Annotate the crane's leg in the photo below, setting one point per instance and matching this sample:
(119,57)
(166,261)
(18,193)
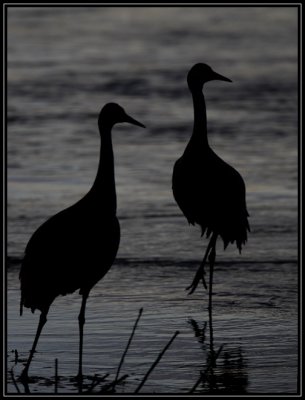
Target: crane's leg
(81,323)
(212,257)
(200,272)
(42,321)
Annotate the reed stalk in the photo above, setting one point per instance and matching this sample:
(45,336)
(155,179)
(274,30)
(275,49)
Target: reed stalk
(128,344)
(156,362)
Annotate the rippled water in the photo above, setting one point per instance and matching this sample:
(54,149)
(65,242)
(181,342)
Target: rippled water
(64,64)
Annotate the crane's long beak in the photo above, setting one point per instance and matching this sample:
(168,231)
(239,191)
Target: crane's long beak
(220,77)
(133,121)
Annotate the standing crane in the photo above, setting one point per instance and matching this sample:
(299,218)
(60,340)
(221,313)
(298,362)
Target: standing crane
(209,191)
(76,247)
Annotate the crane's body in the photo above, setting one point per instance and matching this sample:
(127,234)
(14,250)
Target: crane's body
(75,248)
(72,250)
(209,192)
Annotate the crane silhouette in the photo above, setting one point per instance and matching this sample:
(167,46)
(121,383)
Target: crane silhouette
(75,248)
(209,191)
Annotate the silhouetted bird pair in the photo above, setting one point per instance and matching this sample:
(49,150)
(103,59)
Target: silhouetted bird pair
(75,248)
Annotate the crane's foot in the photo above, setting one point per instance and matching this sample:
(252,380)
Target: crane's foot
(198,276)
(210,253)
(79,382)
(79,378)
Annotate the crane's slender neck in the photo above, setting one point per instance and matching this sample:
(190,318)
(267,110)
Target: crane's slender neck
(199,136)
(103,189)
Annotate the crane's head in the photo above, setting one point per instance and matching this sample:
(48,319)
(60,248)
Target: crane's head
(200,73)
(112,114)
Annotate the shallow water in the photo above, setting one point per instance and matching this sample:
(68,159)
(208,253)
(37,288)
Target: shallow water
(255,318)
(63,66)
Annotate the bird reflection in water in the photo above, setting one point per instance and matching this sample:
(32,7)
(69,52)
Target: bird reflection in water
(225,371)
